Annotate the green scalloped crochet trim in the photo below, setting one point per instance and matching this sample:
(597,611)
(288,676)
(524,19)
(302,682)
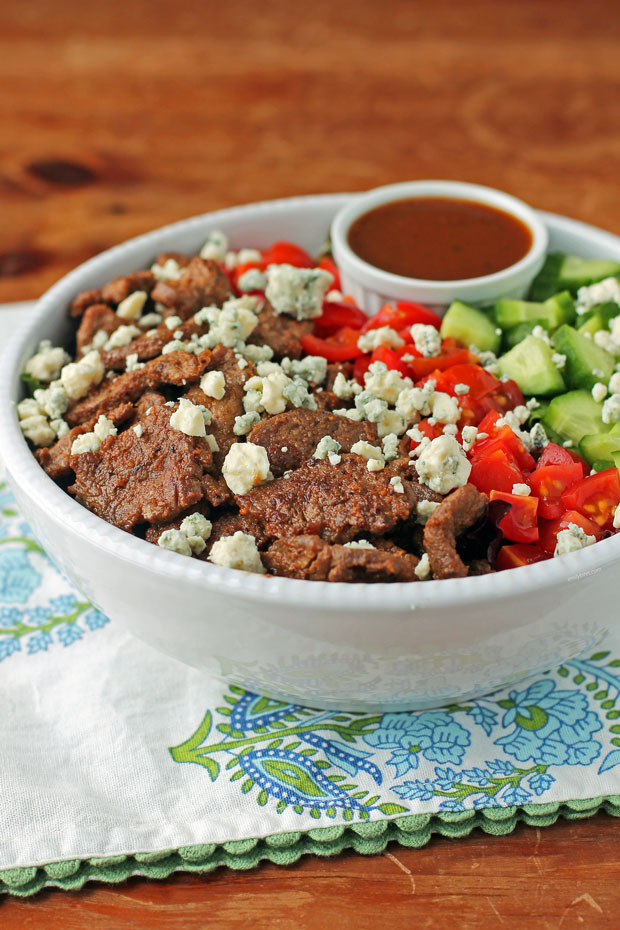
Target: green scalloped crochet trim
(414,830)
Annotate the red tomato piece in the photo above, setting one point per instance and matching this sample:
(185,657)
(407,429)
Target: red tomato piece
(335,315)
(402,315)
(421,367)
(360,367)
(549,529)
(390,358)
(504,438)
(340,347)
(417,313)
(487,423)
(520,523)
(479,381)
(327,263)
(554,455)
(549,483)
(520,554)
(287,253)
(497,471)
(507,396)
(596,497)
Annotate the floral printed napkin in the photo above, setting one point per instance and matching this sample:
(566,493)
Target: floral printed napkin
(117,760)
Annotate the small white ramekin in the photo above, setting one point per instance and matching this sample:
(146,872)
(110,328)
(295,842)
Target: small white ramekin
(371,287)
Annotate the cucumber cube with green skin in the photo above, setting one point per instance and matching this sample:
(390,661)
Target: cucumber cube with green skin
(602,465)
(598,317)
(516,334)
(586,363)
(561,271)
(573,415)
(470,327)
(530,364)
(600,447)
(555,311)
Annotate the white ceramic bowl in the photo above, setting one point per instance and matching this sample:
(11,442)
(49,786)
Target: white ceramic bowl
(372,287)
(356,647)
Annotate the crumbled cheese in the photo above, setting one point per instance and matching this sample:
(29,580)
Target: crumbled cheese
(169,271)
(423,568)
(461,388)
(611,409)
(370,406)
(77,378)
(359,544)
(373,455)
(390,447)
(297,291)
(568,443)
(344,388)
(334,296)
(271,393)
(245,466)
(443,465)
(470,435)
(131,307)
(312,368)
(386,383)
(426,339)
(538,437)
(257,353)
(229,325)
(425,510)
(132,363)
(175,346)
(604,340)
(532,404)
(213,384)
(614,383)
(171,322)
(104,428)
(414,402)
(349,413)
(52,401)
(616,523)
(522,490)
(216,246)
(245,256)
(397,484)
(541,333)
(149,320)
(245,422)
(196,529)
(445,408)
(91,442)
(328,448)
(252,280)
(138,430)
(571,539)
(190,418)
(382,336)
(121,337)
(175,541)
(599,392)
(237,551)
(558,360)
(37,429)
(606,290)
(47,363)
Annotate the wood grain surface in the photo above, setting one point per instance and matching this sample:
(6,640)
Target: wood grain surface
(117,117)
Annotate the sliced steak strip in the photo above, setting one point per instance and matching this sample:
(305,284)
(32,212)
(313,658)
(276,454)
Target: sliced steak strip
(456,513)
(97,317)
(114,291)
(56,459)
(202,284)
(177,368)
(149,478)
(311,558)
(299,431)
(231,404)
(281,332)
(336,502)
(149,345)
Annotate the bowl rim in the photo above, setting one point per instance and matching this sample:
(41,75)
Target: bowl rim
(371,276)
(25,473)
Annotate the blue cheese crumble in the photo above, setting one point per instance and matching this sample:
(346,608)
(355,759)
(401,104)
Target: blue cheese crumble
(297,291)
(237,551)
(572,539)
(443,465)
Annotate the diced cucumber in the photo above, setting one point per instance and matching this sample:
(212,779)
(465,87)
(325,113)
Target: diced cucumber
(574,415)
(616,458)
(599,447)
(470,327)
(601,465)
(530,364)
(586,363)
(538,414)
(598,317)
(568,271)
(556,310)
(516,334)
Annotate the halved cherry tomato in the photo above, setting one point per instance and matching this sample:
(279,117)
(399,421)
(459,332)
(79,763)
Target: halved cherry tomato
(520,523)
(390,358)
(421,367)
(340,347)
(487,423)
(327,263)
(504,438)
(550,482)
(402,315)
(479,381)
(497,471)
(360,367)
(596,497)
(514,556)
(287,253)
(335,315)
(554,455)
(549,529)
(507,396)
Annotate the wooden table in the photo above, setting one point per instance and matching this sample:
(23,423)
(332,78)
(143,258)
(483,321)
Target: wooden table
(117,117)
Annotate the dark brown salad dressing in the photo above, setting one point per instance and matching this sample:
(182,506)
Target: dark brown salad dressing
(439,239)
